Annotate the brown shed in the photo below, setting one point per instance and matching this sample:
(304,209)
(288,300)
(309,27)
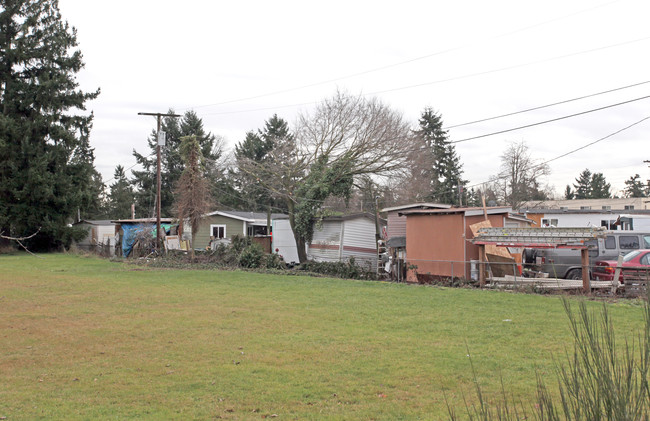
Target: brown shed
(436,240)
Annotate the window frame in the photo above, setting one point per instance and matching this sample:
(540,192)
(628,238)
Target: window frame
(213,226)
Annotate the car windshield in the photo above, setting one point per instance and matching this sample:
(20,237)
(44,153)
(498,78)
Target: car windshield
(631,255)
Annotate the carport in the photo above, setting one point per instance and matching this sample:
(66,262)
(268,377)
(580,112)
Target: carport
(569,238)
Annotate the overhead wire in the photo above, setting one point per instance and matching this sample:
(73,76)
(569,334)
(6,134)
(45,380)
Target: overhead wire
(549,121)
(540,107)
(400,63)
(439,81)
(128,169)
(573,150)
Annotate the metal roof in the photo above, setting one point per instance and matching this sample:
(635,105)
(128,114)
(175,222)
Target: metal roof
(466,211)
(417,206)
(538,237)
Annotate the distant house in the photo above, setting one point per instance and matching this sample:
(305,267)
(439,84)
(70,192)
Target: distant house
(337,238)
(626,203)
(611,219)
(223,225)
(100,232)
(436,239)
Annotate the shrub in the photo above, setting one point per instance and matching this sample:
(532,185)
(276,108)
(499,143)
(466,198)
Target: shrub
(347,270)
(251,256)
(274,261)
(598,381)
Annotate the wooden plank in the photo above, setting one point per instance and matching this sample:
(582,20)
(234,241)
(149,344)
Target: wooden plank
(502,266)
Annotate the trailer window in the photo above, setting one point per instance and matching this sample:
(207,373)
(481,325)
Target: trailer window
(629,242)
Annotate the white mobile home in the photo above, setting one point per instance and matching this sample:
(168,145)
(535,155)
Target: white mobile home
(337,238)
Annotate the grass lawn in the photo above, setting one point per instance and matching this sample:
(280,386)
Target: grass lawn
(85,338)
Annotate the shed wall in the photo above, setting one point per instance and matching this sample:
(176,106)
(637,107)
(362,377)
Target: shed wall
(396,225)
(436,243)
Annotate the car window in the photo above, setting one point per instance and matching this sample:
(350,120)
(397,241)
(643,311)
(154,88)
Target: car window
(628,242)
(610,242)
(645,260)
(631,255)
(646,241)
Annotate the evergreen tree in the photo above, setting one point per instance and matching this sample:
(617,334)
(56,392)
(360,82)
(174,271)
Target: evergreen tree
(635,188)
(47,172)
(592,186)
(445,171)
(257,147)
(568,193)
(121,196)
(171,163)
(583,185)
(600,188)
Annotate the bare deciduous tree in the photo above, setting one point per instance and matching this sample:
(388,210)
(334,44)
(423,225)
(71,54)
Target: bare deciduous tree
(520,177)
(344,138)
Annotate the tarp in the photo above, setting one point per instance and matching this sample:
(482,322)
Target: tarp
(131,232)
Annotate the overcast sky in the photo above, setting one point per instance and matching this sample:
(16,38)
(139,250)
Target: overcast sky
(236,63)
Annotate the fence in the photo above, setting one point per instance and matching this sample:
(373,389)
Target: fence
(632,281)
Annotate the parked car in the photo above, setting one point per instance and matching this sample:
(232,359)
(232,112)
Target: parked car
(604,270)
(566,263)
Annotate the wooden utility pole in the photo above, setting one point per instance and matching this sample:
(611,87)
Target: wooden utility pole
(158,183)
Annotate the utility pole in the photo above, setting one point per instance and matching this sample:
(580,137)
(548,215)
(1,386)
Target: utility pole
(159,140)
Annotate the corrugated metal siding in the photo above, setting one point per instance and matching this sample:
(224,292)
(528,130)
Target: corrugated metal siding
(233,227)
(396,225)
(326,242)
(359,241)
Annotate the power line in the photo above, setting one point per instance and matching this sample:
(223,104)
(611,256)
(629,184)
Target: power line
(128,169)
(439,81)
(545,106)
(388,66)
(574,150)
(549,121)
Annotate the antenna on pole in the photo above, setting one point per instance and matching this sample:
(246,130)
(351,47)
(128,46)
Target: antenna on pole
(160,141)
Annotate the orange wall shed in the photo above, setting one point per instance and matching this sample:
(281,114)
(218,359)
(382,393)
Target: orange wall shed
(436,243)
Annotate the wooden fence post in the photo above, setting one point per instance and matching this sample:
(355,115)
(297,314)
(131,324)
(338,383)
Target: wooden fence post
(482,258)
(586,286)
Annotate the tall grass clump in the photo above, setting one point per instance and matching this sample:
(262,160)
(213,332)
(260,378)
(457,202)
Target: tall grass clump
(600,380)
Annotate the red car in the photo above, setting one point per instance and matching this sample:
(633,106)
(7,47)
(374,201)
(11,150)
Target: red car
(604,269)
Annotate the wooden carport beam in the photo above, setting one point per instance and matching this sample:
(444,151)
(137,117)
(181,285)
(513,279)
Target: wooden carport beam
(482,258)
(584,257)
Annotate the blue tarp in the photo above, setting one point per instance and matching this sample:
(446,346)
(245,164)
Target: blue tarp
(131,232)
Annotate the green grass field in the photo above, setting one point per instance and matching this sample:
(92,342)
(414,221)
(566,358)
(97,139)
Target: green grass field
(85,338)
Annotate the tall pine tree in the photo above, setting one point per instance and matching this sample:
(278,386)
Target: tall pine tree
(256,147)
(592,186)
(121,196)
(47,171)
(583,185)
(444,171)
(634,187)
